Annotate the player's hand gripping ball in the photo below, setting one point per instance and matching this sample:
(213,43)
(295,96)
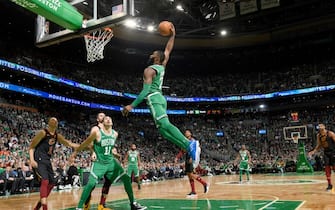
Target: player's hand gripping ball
(164,28)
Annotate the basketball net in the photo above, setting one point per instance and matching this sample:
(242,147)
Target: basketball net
(295,139)
(96,42)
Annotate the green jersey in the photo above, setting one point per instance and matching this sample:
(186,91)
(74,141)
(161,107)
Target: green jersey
(103,148)
(157,81)
(133,157)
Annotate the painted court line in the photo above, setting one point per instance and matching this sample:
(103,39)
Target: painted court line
(269,204)
(225,207)
(302,203)
(259,204)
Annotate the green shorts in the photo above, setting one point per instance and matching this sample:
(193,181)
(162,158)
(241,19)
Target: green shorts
(133,169)
(118,171)
(112,170)
(157,105)
(244,166)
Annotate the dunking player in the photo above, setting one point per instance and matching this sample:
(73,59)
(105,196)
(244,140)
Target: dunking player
(105,164)
(189,168)
(245,159)
(40,152)
(107,182)
(326,140)
(152,90)
(133,162)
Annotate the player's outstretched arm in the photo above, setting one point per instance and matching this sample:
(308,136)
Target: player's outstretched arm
(169,45)
(66,142)
(87,142)
(148,74)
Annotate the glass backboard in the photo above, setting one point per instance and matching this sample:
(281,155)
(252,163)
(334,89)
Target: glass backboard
(96,13)
(295,131)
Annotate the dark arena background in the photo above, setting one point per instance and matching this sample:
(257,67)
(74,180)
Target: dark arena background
(258,73)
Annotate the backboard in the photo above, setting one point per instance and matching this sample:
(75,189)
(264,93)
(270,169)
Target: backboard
(299,132)
(97,14)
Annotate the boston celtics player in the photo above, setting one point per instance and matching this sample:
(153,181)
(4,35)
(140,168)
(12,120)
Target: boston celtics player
(107,183)
(105,165)
(133,162)
(153,77)
(245,159)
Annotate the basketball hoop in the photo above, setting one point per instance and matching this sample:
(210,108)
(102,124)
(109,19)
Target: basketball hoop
(295,136)
(295,139)
(95,43)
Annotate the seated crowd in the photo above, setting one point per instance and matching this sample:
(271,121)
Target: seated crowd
(269,152)
(18,124)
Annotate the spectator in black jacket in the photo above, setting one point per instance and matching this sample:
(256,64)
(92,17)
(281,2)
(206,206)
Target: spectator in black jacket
(2,183)
(74,175)
(12,180)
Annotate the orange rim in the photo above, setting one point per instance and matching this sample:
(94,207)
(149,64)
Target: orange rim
(108,29)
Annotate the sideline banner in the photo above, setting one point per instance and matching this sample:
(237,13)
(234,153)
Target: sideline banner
(227,10)
(266,4)
(248,6)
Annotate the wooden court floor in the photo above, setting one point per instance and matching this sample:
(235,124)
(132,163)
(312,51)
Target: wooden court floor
(263,191)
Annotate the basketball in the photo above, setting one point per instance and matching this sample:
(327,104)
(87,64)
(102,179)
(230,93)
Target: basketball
(164,28)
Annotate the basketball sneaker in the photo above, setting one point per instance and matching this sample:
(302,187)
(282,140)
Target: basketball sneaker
(194,150)
(102,207)
(206,188)
(191,195)
(38,205)
(87,205)
(137,206)
(330,187)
